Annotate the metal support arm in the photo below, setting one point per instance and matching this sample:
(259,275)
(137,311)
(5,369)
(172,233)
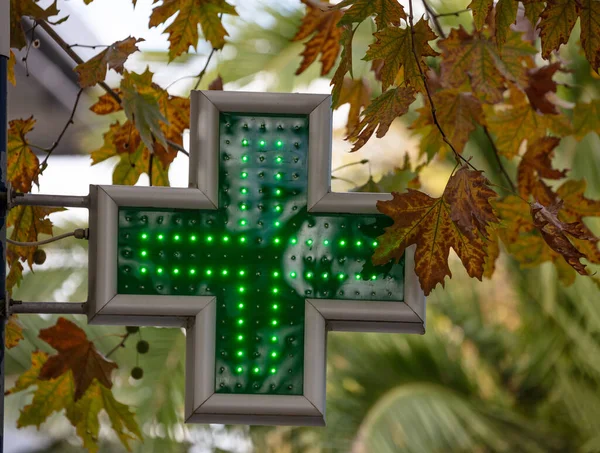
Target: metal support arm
(56,201)
(63,308)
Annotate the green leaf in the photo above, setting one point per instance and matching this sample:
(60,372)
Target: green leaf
(386,12)
(506,15)
(556,23)
(585,119)
(345,65)
(129,169)
(480,9)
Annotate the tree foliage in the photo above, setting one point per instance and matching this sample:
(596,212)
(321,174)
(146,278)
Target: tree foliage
(496,80)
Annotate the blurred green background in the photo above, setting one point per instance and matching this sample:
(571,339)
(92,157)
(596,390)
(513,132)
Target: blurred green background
(510,364)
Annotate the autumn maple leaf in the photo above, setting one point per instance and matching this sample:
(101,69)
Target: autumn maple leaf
(326,40)
(536,164)
(455,220)
(585,118)
(480,9)
(75,353)
(539,85)
(14,332)
(114,57)
(357,93)
(26,8)
(386,12)
(344,67)
(22,164)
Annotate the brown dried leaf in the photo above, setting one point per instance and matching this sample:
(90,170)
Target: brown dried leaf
(75,353)
(323,23)
(217,84)
(536,164)
(539,84)
(357,93)
(386,12)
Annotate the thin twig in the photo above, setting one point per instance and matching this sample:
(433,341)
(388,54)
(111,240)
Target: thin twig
(89,46)
(205,68)
(49,151)
(120,345)
(497,155)
(457,155)
(150,161)
(454,13)
(434,18)
(360,162)
(77,59)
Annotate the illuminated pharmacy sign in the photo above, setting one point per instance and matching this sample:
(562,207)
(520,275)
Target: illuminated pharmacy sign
(258,259)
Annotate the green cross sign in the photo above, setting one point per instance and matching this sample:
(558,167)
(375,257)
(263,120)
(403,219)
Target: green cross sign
(258,258)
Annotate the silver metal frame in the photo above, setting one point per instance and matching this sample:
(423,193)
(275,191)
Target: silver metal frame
(198,314)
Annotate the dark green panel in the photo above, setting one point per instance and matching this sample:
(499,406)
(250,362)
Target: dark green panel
(260,253)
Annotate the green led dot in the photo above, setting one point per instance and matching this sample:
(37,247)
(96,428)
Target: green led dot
(208,272)
(243,206)
(239,369)
(161,237)
(274,322)
(209,238)
(273,354)
(341,276)
(241,289)
(242,273)
(275,274)
(245,158)
(279,143)
(241,305)
(275,307)
(243,190)
(342,243)
(243,239)
(256,370)
(144,236)
(225,238)
(309,242)
(177,237)
(144,253)
(240,353)
(278,208)
(309,275)
(224,272)
(240,322)
(244,174)
(278,176)
(244,142)
(273,339)
(262,143)
(325,275)
(143,270)
(243,222)
(176,271)
(193,238)
(159,270)
(273,370)
(240,337)
(277,223)
(293,274)
(357,277)
(326,242)
(358,243)
(275,290)
(375,244)
(192,271)
(276,240)
(278,192)
(279,159)
(373,277)
(294,241)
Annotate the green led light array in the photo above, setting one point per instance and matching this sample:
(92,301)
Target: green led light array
(261,254)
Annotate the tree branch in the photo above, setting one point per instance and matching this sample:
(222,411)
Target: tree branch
(434,18)
(49,151)
(120,345)
(150,161)
(457,155)
(77,59)
(497,155)
(454,13)
(204,69)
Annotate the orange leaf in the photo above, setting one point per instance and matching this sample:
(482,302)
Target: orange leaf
(14,332)
(75,353)
(536,164)
(427,222)
(555,233)
(357,93)
(323,23)
(28,223)
(107,104)
(380,114)
(539,84)
(11,69)
(395,47)
(94,70)
(22,164)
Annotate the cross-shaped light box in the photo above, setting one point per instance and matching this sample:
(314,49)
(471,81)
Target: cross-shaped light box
(258,259)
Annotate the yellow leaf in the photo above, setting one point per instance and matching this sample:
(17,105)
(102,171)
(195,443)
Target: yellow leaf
(14,331)
(428,222)
(493,252)
(481,9)
(30,377)
(11,68)
(160,174)
(15,275)
(386,12)
(183,31)
(26,8)
(22,163)
(395,47)
(129,169)
(556,23)
(380,114)
(585,119)
(326,40)
(107,104)
(94,70)
(108,149)
(357,93)
(28,223)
